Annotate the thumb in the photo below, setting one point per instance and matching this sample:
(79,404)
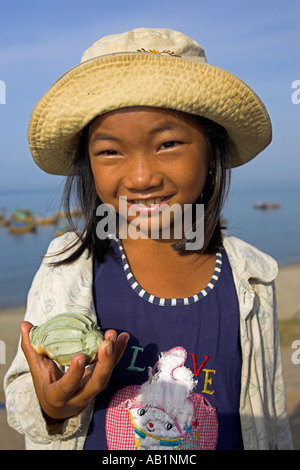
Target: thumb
(28,350)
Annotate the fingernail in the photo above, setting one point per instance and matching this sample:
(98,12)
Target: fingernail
(109,350)
(81,362)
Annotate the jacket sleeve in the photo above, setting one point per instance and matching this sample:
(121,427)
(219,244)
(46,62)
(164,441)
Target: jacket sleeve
(263,409)
(24,413)
(283,433)
(265,418)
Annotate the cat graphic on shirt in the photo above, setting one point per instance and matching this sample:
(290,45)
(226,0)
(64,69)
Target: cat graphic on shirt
(164,413)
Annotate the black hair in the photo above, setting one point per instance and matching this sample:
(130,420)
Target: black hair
(80,183)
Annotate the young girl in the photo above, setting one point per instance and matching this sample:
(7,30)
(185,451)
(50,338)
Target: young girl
(191,354)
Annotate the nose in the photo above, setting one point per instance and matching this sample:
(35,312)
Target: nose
(141,173)
(150,425)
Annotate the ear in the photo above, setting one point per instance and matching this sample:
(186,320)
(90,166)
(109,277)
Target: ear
(211,167)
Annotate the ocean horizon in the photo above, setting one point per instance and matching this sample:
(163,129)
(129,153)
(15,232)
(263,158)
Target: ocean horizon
(276,231)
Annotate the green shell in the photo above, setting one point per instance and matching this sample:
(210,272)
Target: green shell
(65,335)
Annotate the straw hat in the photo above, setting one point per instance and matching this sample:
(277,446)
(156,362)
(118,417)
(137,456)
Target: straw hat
(144,67)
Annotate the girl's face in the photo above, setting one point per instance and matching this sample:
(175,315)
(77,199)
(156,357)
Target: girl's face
(150,156)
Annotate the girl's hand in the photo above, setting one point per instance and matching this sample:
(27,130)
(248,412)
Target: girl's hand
(63,395)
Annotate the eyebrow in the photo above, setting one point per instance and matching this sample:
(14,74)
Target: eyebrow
(98,136)
(166,127)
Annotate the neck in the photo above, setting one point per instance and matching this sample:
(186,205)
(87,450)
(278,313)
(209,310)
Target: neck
(151,247)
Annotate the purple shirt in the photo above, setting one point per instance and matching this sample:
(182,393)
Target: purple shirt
(190,398)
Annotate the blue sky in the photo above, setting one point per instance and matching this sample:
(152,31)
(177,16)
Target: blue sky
(258,40)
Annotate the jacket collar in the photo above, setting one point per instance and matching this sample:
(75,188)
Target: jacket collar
(248,262)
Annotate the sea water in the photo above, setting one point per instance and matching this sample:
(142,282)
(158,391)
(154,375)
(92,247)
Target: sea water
(276,232)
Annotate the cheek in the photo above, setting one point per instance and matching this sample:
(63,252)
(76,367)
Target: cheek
(195,168)
(104,184)
(194,179)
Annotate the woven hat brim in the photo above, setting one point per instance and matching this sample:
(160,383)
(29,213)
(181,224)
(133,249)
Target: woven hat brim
(139,79)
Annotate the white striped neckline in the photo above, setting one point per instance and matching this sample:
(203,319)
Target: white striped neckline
(172,302)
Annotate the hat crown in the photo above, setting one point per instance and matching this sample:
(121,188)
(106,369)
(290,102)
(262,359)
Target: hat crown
(155,40)
(155,67)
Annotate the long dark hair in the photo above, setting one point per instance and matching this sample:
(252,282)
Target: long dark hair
(80,188)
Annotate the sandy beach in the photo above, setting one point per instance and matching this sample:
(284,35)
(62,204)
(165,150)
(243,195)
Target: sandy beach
(288,295)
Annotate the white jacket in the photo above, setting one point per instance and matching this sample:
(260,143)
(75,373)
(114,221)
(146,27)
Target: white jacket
(68,288)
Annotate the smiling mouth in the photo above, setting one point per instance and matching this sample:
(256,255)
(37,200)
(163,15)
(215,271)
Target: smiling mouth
(149,202)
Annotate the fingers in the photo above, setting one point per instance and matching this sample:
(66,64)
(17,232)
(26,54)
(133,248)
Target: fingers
(62,395)
(36,362)
(25,327)
(79,385)
(109,354)
(122,341)
(60,391)
(103,367)
(28,350)
(118,344)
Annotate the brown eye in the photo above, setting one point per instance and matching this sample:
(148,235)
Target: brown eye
(170,144)
(108,152)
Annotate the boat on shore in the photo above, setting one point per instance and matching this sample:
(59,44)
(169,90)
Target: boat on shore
(3,218)
(16,227)
(73,212)
(60,214)
(62,228)
(76,213)
(267,205)
(21,221)
(41,220)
